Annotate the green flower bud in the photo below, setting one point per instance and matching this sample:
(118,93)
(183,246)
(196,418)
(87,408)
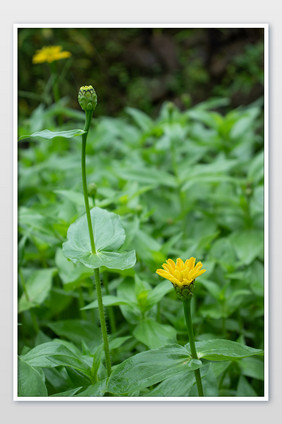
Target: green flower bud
(184,292)
(92,189)
(87,98)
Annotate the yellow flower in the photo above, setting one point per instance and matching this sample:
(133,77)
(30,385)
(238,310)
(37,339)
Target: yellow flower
(181,274)
(50,54)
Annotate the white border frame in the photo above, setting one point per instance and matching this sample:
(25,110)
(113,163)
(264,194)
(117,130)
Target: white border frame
(264,398)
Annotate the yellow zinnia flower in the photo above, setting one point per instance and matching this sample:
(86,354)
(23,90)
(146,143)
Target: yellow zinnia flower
(50,54)
(181,274)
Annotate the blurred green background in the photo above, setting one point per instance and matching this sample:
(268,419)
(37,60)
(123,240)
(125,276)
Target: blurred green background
(143,67)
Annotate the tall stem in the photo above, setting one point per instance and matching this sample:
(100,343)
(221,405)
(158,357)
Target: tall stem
(188,318)
(103,321)
(84,181)
(93,248)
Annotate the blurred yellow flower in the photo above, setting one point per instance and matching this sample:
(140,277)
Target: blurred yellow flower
(50,54)
(181,274)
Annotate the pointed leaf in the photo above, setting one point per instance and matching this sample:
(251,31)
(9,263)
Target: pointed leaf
(153,334)
(57,353)
(67,393)
(107,301)
(30,381)
(150,367)
(49,135)
(38,287)
(224,350)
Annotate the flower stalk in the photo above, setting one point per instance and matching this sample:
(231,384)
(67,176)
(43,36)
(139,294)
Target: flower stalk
(103,321)
(88,100)
(88,118)
(188,319)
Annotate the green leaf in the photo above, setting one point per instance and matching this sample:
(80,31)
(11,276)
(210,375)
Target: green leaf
(107,301)
(209,381)
(109,236)
(58,379)
(150,367)
(75,197)
(154,334)
(248,245)
(223,252)
(115,343)
(38,287)
(158,293)
(147,175)
(224,350)
(215,171)
(30,381)
(219,367)
(208,118)
(178,385)
(57,353)
(67,393)
(244,388)
(244,123)
(213,288)
(49,135)
(141,119)
(131,311)
(69,272)
(252,367)
(256,168)
(94,390)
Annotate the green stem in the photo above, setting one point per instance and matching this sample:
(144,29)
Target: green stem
(84,181)
(103,321)
(93,248)
(188,318)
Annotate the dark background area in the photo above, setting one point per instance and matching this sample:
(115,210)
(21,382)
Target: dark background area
(143,67)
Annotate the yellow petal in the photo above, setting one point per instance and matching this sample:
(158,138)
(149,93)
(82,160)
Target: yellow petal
(186,274)
(168,267)
(189,263)
(196,273)
(201,272)
(179,264)
(199,265)
(162,273)
(170,262)
(178,275)
(167,276)
(186,282)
